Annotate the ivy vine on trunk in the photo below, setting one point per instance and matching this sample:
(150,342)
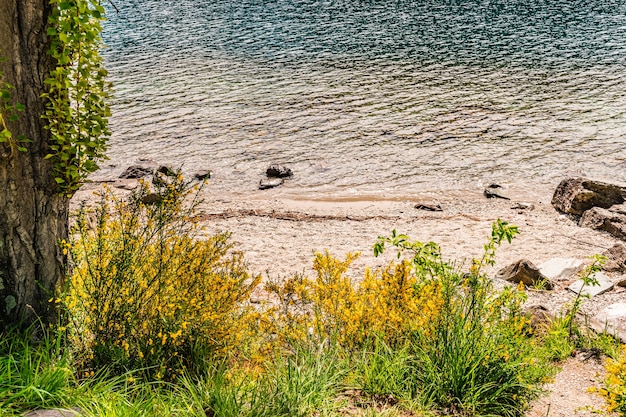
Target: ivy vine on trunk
(77,108)
(53,131)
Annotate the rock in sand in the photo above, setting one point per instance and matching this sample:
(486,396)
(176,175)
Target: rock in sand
(526,272)
(605,219)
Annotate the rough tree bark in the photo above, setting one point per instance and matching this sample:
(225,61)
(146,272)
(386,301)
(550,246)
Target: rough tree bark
(33,216)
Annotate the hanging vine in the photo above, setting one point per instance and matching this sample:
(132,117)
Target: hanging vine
(77,99)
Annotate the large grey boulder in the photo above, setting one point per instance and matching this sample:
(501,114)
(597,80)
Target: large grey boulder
(612,320)
(577,195)
(526,272)
(604,219)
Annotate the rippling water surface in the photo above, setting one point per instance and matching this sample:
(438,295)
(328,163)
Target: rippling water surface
(375,97)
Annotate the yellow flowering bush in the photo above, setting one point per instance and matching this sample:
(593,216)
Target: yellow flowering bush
(615,385)
(145,292)
(388,303)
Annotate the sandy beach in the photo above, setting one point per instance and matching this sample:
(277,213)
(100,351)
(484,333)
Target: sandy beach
(280,234)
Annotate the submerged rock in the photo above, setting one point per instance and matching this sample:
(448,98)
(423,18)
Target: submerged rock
(577,195)
(495,191)
(278,171)
(428,207)
(203,175)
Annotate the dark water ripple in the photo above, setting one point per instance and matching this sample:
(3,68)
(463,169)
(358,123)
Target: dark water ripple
(371,97)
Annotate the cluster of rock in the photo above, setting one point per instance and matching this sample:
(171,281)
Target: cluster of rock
(142,171)
(592,204)
(276,175)
(599,205)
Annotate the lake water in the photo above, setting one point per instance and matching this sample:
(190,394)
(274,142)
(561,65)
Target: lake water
(371,98)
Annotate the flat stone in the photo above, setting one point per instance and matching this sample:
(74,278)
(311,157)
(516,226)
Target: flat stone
(577,195)
(270,183)
(523,206)
(559,268)
(52,413)
(126,184)
(593,290)
(612,320)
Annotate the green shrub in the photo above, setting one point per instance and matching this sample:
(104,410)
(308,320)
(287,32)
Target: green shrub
(474,354)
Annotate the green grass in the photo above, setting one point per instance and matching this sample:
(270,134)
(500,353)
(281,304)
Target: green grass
(33,375)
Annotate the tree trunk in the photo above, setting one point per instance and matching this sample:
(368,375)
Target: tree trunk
(33,216)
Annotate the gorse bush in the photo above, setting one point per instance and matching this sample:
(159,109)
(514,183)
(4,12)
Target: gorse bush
(386,304)
(145,292)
